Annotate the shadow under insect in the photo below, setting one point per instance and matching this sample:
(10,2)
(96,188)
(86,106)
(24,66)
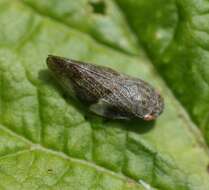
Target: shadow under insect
(134,125)
(139,125)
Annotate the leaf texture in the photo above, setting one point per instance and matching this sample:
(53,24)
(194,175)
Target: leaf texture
(49,141)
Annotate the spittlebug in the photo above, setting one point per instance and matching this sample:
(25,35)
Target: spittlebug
(107,92)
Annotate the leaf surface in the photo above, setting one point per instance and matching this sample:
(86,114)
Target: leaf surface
(176,38)
(50,142)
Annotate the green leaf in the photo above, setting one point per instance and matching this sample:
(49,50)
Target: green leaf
(176,37)
(101,20)
(48,141)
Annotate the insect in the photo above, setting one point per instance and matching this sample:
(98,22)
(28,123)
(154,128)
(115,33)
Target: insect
(107,93)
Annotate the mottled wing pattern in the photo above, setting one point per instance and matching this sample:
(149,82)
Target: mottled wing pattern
(111,94)
(100,87)
(134,95)
(119,103)
(91,83)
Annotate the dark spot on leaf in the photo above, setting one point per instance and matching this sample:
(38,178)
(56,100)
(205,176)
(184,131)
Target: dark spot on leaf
(99,6)
(49,171)
(208,168)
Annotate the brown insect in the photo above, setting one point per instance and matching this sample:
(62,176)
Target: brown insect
(107,92)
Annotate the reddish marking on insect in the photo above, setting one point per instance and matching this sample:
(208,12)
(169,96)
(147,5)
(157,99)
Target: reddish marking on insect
(149,117)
